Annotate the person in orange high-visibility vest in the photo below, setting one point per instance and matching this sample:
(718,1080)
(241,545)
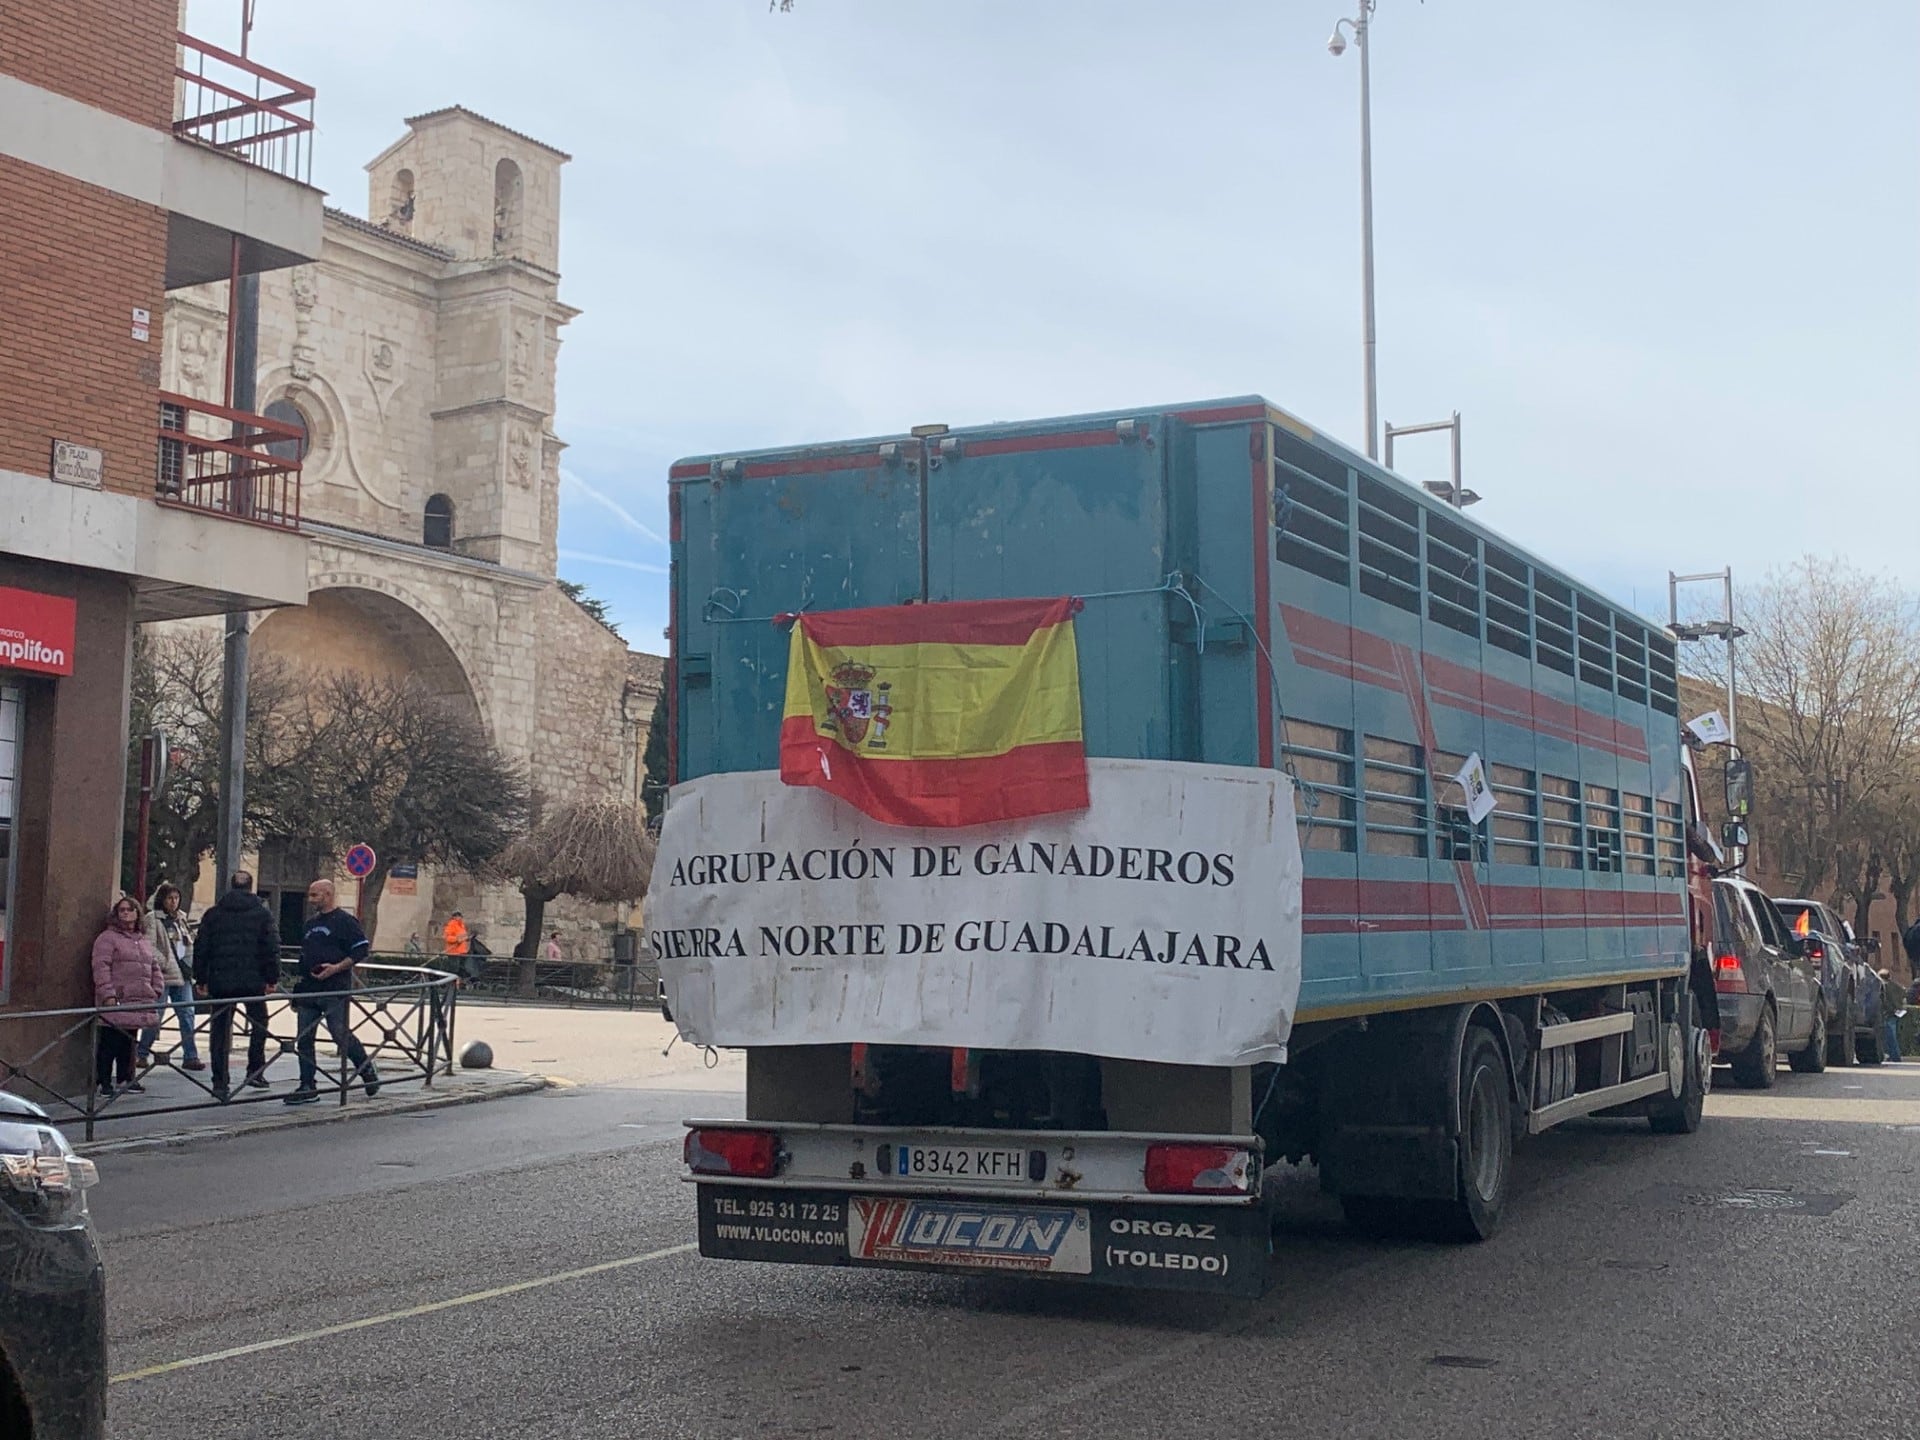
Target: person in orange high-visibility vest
(456,935)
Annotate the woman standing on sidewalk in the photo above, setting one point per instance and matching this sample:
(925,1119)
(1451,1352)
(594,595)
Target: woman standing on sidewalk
(167,934)
(125,972)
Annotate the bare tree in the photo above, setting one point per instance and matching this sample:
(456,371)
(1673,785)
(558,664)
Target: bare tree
(176,689)
(597,850)
(1829,682)
(401,769)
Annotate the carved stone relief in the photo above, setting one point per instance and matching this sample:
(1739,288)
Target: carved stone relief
(306,295)
(520,441)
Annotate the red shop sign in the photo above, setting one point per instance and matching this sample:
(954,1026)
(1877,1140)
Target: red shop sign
(36,632)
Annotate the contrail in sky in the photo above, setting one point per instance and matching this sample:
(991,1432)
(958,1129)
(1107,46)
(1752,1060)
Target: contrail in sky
(568,478)
(587,559)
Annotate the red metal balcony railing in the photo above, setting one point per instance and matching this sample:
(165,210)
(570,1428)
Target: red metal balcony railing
(259,115)
(228,462)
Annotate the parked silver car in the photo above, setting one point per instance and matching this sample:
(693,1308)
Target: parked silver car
(1770,1000)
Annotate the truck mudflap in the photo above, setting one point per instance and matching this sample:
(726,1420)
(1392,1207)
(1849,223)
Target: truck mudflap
(1215,1248)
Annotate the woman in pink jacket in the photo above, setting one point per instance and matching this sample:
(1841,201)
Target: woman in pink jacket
(125,972)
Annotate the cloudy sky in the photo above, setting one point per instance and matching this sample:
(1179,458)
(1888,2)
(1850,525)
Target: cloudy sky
(1662,258)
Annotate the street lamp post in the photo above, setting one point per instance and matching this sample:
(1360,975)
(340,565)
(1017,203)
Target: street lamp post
(1451,491)
(1361,25)
(1721,629)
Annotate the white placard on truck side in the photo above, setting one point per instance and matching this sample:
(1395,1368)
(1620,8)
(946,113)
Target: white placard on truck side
(1162,923)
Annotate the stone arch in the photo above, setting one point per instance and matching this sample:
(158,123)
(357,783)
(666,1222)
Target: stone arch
(358,620)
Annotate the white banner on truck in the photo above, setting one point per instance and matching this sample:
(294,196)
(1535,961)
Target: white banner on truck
(1163,923)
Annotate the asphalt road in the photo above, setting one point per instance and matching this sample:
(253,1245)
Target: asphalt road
(1753,1280)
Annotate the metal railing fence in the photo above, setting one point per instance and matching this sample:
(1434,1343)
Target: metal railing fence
(402,1014)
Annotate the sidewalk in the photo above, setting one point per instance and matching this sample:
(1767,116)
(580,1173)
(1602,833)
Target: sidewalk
(614,1048)
(122,1126)
(533,1047)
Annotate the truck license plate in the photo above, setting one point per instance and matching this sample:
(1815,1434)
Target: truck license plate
(1038,1238)
(961,1162)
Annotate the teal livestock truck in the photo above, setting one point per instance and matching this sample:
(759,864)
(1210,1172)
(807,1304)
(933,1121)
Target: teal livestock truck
(1491,849)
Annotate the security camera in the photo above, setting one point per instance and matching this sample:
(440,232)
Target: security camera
(1337,45)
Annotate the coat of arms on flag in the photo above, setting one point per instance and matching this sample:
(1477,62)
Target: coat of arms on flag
(950,714)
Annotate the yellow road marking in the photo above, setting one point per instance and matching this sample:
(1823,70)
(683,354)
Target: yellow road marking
(409,1313)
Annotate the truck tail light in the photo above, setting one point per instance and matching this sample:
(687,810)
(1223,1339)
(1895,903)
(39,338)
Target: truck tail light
(1199,1170)
(1729,978)
(746,1154)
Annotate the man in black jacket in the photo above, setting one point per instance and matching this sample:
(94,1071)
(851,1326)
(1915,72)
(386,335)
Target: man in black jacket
(236,958)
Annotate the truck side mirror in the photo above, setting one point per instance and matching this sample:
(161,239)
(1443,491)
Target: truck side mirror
(1733,835)
(1739,787)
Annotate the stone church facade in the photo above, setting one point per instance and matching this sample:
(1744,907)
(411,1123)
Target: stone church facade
(418,356)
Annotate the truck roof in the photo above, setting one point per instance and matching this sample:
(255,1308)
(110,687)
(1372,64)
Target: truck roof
(1228,410)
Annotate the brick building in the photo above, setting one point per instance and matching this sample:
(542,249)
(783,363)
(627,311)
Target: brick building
(133,163)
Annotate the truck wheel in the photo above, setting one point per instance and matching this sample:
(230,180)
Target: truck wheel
(1840,1050)
(1680,1114)
(1813,1059)
(1486,1145)
(1755,1067)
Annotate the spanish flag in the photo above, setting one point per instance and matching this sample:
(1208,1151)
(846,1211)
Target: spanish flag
(951,714)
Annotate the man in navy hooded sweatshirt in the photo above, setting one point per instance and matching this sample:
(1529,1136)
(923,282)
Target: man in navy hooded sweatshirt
(333,944)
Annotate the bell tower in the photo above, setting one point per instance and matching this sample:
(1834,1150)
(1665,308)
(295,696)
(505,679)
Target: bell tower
(488,198)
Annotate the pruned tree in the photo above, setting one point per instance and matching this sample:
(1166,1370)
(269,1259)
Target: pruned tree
(402,769)
(596,850)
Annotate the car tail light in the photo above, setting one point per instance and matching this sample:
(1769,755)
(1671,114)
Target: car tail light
(1199,1170)
(1816,950)
(1729,977)
(747,1154)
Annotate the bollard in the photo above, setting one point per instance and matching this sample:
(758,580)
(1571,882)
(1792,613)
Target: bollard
(477,1056)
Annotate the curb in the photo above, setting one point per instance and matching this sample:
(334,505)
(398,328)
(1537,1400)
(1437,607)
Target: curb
(526,1085)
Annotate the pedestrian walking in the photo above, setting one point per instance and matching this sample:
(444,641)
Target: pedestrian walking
(1892,1004)
(415,950)
(553,948)
(333,944)
(236,961)
(125,972)
(455,938)
(167,934)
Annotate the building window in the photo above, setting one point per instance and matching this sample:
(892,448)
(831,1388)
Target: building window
(288,413)
(400,203)
(437,532)
(12,704)
(507,192)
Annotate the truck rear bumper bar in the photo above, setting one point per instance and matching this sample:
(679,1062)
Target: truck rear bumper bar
(1218,1249)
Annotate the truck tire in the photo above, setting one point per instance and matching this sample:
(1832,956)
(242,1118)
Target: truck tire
(1813,1059)
(1756,1066)
(1680,1115)
(1485,1163)
(1840,1048)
